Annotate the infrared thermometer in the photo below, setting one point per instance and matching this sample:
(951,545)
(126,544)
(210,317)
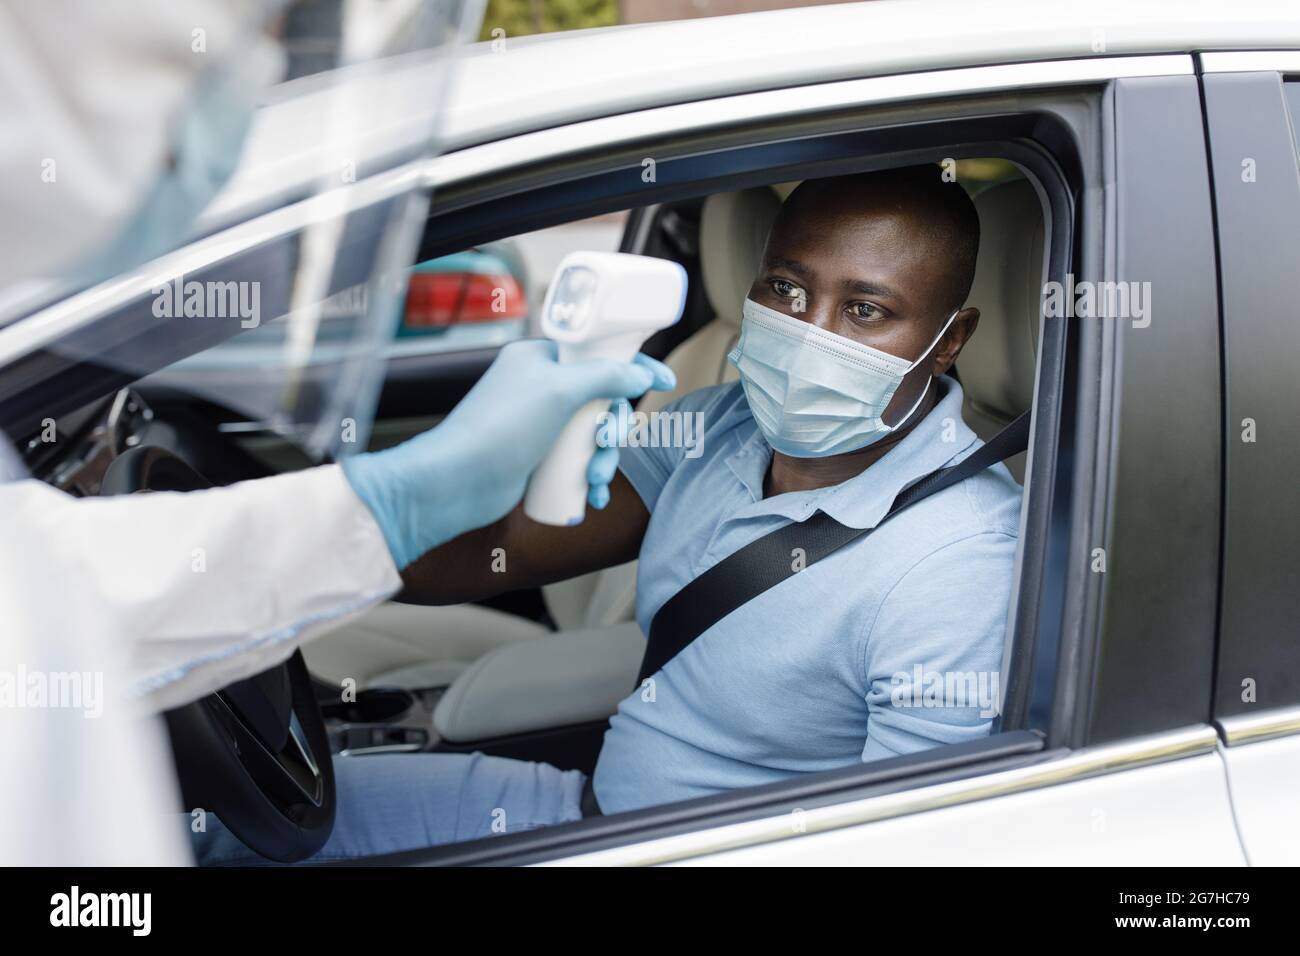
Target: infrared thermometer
(600,305)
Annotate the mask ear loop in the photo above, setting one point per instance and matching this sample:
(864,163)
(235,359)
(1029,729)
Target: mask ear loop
(925,391)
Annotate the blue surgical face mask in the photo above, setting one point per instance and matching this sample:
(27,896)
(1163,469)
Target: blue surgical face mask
(814,393)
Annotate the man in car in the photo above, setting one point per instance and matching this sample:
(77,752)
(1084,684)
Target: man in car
(856,315)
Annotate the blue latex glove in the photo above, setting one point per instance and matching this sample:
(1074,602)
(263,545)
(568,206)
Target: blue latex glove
(474,466)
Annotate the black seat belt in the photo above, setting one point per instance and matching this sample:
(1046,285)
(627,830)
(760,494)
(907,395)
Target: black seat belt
(769,560)
(766,562)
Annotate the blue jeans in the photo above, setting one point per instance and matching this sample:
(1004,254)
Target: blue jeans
(393,802)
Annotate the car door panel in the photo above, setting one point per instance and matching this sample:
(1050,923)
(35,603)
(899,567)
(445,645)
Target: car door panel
(1251,116)
(1172,814)
(1264,778)
(1144,215)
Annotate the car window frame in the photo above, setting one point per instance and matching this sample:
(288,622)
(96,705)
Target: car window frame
(1145,655)
(505,212)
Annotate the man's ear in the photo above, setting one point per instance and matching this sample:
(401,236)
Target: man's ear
(954,340)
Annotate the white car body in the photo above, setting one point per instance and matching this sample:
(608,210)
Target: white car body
(1205,793)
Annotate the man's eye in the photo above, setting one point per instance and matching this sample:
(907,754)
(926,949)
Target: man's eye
(786,289)
(864,310)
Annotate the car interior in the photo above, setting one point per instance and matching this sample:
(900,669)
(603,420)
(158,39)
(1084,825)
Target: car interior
(500,682)
(536,676)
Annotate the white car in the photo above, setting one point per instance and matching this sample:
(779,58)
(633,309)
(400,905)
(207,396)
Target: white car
(1151,708)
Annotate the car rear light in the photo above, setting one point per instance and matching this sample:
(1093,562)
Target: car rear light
(439,299)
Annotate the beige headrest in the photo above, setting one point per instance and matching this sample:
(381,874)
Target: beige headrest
(733,230)
(997,364)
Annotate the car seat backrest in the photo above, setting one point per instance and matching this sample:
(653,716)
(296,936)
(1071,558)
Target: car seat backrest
(733,231)
(998,364)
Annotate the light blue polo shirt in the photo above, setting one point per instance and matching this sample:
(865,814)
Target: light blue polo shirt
(889,646)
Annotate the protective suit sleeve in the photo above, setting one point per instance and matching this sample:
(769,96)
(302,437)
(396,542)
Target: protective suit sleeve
(200,589)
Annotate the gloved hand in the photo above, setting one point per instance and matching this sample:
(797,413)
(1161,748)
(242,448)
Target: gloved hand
(474,466)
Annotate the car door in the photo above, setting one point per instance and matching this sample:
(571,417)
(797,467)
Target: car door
(1105,742)
(1252,112)
(1106,751)
(1132,774)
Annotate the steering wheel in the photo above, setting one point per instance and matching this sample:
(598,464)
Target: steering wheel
(256,752)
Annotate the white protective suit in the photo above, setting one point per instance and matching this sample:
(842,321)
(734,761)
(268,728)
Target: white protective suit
(168,597)
(118,608)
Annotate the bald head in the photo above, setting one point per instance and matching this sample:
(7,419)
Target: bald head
(935,218)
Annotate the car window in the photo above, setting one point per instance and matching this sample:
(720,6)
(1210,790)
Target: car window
(478,298)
